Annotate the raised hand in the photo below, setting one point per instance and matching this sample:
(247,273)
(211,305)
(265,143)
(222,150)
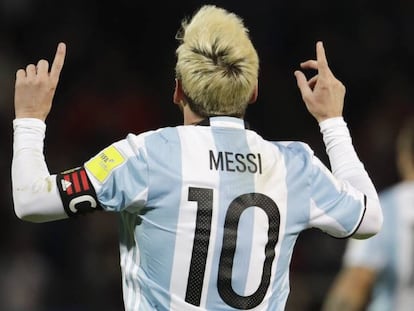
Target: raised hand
(35,86)
(323,94)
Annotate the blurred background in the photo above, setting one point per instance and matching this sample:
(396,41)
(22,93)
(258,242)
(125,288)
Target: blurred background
(119,78)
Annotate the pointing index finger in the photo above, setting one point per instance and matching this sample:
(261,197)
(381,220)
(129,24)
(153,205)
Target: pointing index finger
(58,61)
(323,67)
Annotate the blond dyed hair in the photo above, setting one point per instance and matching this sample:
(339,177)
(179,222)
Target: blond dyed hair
(217,64)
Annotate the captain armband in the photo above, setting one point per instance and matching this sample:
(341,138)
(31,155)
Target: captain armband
(77,193)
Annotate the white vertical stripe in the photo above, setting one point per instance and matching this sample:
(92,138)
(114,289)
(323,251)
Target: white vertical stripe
(132,294)
(195,173)
(257,255)
(274,185)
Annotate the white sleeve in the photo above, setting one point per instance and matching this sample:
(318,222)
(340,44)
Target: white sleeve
(346,166)
(35,194)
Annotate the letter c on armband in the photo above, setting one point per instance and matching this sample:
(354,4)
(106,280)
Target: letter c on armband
(80,203)
(77,192)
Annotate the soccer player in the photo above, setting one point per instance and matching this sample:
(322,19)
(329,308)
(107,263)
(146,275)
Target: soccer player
(209,211)
(378,273)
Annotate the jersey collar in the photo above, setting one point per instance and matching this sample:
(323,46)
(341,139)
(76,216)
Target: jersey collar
(225,121)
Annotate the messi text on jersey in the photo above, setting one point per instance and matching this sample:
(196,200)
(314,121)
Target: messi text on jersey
(235,162)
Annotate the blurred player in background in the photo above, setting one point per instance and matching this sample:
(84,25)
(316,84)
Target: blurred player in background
(378,273)
(209,211)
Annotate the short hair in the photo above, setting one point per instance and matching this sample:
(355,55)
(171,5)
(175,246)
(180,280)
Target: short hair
(217,63)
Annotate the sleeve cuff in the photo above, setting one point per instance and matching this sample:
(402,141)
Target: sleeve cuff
(29,122)
(332,123)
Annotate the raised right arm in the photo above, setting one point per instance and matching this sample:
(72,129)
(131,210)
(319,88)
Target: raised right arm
(324,95)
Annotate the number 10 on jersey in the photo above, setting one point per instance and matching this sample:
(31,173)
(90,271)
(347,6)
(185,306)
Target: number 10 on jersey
(204,199)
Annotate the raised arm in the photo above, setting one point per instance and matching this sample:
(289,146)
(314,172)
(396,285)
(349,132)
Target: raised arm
(324,95)
(35,193)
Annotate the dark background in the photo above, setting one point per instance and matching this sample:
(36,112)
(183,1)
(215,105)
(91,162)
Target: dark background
(119,78)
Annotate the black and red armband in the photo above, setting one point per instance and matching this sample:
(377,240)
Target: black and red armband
(77,193)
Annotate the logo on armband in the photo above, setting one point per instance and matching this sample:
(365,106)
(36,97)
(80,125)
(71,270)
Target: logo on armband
(77,193)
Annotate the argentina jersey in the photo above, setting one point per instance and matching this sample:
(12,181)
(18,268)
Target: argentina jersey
(391,252)
(209,215)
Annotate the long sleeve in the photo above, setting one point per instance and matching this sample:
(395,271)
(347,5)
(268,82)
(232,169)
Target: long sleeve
(35,194)
(346,166)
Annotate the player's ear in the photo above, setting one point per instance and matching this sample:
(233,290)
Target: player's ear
(254,95)
(178,96)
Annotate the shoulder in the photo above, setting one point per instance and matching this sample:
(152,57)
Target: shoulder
(296,147)
(166,134)
(297,156)
(292,147)
(294,150)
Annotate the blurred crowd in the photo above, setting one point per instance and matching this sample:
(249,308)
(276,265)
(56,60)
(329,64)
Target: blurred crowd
(119,78)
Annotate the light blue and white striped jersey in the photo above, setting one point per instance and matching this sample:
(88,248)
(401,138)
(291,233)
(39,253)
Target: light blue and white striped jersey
(390,252)
(210,214)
